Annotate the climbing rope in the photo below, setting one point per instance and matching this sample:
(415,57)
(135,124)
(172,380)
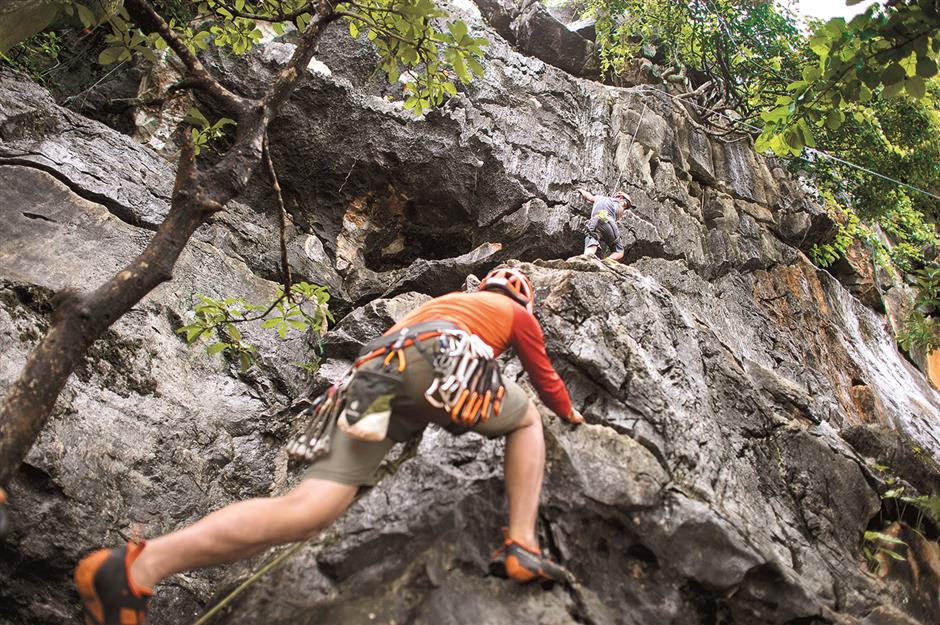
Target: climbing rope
(269,566)
(813,151)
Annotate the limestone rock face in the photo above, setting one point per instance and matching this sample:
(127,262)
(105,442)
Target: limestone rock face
(543,36)
(737,397)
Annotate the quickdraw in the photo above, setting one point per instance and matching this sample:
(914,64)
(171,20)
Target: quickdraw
(321,419)
(467,382)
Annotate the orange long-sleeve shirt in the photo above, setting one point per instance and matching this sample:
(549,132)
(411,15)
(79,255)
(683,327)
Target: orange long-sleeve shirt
(499,322)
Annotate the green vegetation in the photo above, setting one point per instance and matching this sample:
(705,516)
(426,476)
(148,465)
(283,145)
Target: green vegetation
(865,91)
(880,544)
(923,328)
(416,44)
(305,310)
(414,39)
(880,54)
(38,57)
(918,513)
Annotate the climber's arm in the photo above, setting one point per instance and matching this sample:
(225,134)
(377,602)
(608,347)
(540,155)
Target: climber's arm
(590,197)
(527,338)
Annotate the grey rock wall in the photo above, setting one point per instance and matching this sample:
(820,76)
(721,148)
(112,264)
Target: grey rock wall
(736,396)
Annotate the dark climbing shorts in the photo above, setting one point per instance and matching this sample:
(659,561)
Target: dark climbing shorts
(603,230)
(353,461)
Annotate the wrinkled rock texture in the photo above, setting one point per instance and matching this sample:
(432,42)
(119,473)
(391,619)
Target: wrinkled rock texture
(737,397)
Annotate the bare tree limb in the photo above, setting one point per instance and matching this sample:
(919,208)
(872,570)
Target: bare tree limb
(286,277)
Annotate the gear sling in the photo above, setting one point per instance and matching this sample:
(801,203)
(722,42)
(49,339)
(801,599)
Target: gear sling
(467,385)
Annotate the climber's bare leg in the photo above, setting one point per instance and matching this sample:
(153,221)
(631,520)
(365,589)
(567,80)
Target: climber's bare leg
(243,529)
(524,467)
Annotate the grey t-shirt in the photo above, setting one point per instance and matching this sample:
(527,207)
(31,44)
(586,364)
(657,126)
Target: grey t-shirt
(604,203)
(606,227)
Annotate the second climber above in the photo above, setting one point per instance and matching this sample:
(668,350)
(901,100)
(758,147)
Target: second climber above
(602,226)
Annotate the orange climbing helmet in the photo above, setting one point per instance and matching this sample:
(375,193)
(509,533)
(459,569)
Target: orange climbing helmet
(513,283)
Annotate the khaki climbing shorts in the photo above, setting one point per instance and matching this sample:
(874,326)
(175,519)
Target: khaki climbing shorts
(353,461)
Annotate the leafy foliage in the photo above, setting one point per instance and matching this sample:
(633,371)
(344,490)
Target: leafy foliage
(878,545)
(306,311)
(885,52)
(745,49)
(923,323)
(38,57)
(204,132)
(424,56)
(825,254)
(881,544)
(415,41)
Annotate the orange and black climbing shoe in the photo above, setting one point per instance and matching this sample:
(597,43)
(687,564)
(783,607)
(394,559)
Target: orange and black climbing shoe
(523,564)
(110,595)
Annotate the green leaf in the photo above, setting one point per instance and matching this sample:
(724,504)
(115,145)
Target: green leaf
(811,73)
(215,348)
(87,17)
(195,117)
(794,140)
(807,134)
(233,333)
(458,29)
(298,325)
(109,55)
(916,87)
(270,323)
(820,44)
(894,555)
(892,90)
(885,538)
(926,67)
(893,74)
(475,66)
(353,30)
(834,120)
(461,69)
(245,360)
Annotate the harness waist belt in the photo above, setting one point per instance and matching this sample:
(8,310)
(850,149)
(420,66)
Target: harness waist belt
(409,333)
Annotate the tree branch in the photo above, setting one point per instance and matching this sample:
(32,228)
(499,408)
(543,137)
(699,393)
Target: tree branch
(196,74)
(277,17)
(281,215)
(376,26)
(80,319)
(288,77)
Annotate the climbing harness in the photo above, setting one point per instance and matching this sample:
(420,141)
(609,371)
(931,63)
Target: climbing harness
(599,228)
(467,384)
